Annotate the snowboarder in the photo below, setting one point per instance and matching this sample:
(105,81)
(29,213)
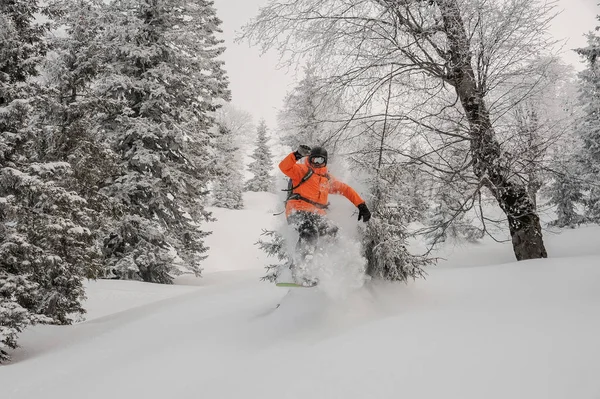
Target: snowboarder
(310,185)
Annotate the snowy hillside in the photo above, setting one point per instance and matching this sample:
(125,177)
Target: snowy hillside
(526,330)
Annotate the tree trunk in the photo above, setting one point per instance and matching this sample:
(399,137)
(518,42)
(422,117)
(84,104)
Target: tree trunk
(489,163)
(523,221)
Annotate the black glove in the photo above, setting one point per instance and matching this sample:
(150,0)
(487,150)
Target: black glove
(302,151)
(364,213)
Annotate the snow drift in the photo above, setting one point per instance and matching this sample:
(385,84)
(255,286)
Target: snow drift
(518,330)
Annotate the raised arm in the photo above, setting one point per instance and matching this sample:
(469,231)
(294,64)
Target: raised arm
(290,168)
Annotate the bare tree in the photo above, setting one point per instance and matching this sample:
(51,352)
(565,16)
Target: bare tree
(453,64)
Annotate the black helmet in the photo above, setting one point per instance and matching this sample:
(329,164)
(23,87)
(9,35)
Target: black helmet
(318,157)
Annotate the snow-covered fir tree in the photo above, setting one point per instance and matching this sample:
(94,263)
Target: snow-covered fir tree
(447,217)
(414,185)
(309,113)
(385,238)
(262,165)
(228,184)
(453,194)
(393,205)
(565,192)
(73,112)
(299,119)
(528,135)
(566,181)
(164,81)
(46,245)
(589,129)
(274,245)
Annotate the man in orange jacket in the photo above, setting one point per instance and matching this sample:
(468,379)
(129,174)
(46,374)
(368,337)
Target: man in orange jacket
(311,185)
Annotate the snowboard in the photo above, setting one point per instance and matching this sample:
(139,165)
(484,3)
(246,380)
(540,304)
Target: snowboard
(294,285)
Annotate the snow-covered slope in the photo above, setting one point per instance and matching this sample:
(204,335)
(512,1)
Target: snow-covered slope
(233,238)
(501,330)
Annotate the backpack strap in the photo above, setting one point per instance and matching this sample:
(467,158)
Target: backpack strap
(304,179)
(301,198)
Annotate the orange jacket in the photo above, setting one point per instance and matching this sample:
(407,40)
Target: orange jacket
(317,188)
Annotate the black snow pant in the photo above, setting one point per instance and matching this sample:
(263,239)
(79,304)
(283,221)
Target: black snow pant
(310,227)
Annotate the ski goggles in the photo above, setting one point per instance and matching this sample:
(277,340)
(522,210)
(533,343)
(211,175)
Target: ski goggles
(318,161)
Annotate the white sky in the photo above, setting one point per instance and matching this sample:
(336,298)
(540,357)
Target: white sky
(258,86)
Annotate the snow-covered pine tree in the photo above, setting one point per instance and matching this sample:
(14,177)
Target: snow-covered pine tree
(298,120)
(262,166)
(309,112)
(45,244)
(565,193)
(414,185)
(565,188)
(531,147)
(228,184)
(447,216)
(385,237)
(589,129)
(164,80)
(46,236)
(73,113)
(16,289)
(274,245)
(453,195)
